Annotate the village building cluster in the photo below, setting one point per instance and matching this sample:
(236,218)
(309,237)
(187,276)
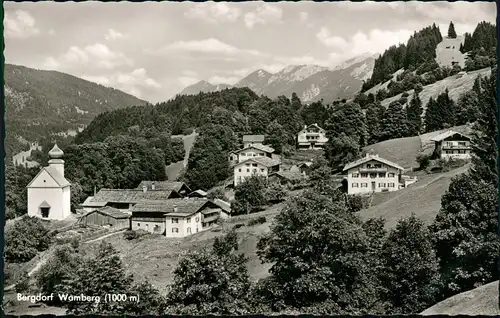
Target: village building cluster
(174,210)
(161,207)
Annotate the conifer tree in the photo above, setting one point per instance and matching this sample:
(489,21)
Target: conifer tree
(451,31)
(414,115)
(395,122)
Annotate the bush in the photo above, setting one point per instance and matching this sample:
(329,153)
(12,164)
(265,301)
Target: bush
(356,203)
(23,285)
(130,235)
(259,220)
(423,160)
(25,239)
(187,131)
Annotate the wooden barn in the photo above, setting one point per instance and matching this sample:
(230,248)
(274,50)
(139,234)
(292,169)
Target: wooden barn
(106,216)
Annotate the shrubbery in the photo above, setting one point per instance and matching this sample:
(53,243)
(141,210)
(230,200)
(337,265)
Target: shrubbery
(25,239)
(257,221)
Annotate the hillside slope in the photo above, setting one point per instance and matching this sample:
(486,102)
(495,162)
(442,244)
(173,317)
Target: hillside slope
(43,102)
(422,198)
(479,301)
(455,84)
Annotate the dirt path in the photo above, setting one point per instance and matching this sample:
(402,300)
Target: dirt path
(104,236)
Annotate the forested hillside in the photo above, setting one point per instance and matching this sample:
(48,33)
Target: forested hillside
(40,103)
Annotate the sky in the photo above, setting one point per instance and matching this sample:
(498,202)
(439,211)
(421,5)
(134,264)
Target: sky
(154,49)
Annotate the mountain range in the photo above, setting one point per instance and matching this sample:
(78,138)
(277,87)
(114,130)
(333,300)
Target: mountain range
(310,82)
(40,103)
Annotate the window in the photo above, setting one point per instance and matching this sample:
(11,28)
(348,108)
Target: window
(175,220)
(261,154)
(239,170)
(248,170)
(147,226)
(239,179)
(247,164)
(197,219)
(391,185)
(381,175)
(254,170)
(364,175)
(254,165)
(368,166)
(138,224)
(373,175)
(461,143)
(355,185)
(175,230)
(391,175)
(189,230)
(45,212)
(156,228)
(196,230)
(261,170)
(355,175)
(364,185)
(188,220)
(378,165)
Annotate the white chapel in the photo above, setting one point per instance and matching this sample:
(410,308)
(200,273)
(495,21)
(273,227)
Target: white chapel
(49,195)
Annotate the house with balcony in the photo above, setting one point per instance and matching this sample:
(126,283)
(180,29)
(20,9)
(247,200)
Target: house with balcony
(175,217)
(312,137)
(259,166)
(452,145)
(252,151)
(375,174)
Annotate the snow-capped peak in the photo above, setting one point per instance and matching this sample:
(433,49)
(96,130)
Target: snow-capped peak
(295,73)
(355,60)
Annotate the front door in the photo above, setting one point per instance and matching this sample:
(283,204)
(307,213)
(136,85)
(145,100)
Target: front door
(373,186)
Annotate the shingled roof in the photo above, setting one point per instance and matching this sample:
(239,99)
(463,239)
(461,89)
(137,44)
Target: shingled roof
(164,185)
(448,134)
(253,138)
(370,158)
(292,176)
(185,206)
(131,195)
(111,212)
(265,161)
(258,147)
(225,206)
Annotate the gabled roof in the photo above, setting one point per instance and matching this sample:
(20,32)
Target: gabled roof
(292,176)
(306,163)
(370,158)
(185,206)
(448,134)
(265,161)
(111,212)
(225,206)
(258,147)
(199,192)
(89,203)
(164,185)
(44,204)
(130,195)
(253,138)
(312,125)
(56,176)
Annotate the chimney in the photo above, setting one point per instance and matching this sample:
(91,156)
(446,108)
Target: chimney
(175,208)
(152,186)
(144,188)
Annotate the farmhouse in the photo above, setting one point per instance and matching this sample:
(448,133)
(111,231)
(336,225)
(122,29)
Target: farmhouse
(125,199)
(303,168)
(179,187)
(251,151)
(260,166)
(286,178)
(106,216)
(49,194)
(375,174)
(175,217)
(253,140)
(312,137)
(452,145)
